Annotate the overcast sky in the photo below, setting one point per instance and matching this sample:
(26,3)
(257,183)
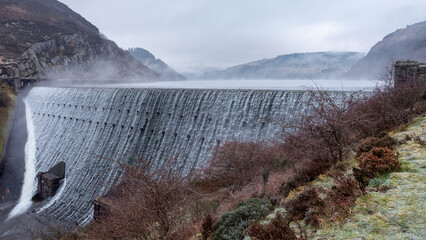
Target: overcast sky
(192,35)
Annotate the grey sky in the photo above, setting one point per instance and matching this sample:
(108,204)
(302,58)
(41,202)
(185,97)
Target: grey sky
(192,35)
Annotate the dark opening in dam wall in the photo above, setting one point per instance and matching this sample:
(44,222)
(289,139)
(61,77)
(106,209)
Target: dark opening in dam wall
(92,128)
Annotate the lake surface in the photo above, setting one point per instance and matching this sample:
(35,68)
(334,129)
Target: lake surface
(334,85)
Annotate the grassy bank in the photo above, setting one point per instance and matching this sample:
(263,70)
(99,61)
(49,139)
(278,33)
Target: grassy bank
(397,213)
(6,112)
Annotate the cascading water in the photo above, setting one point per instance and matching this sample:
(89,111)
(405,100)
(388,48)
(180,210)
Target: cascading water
(90,128)
(28,186)
(55,198)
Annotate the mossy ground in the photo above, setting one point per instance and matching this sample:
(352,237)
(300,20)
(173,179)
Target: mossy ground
(398,213)
(6,114)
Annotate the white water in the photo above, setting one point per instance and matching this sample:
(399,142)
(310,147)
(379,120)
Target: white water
(28,187)
(55,198)
(94,125)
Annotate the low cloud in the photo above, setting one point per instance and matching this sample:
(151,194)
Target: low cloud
(199,34)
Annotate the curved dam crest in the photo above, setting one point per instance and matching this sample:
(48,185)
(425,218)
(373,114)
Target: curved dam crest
(90,128)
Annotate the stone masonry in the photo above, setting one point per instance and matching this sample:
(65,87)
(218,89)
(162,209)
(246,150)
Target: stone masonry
(409,71)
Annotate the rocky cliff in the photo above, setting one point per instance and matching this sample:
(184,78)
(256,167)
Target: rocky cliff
(149,60)
(403,44)
(45,38)
(317,65)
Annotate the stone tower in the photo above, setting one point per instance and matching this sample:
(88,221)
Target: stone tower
(409,71)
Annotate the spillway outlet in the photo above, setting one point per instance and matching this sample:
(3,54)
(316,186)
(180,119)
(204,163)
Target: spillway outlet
(49,182)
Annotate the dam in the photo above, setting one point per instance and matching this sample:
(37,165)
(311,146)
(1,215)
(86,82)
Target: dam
(92,129)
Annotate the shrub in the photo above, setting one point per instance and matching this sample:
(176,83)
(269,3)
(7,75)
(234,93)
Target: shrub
(304,172)
(207,227)
(341,196)
(363,178)
(378,161)
(324,136)
(276,182)
(305,206)
(149,203)
(386,108)
(382,141)
(236,164)
(4,99)
(232,224)
(278,228)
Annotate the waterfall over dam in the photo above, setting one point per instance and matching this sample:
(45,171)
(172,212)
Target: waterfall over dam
(90,128)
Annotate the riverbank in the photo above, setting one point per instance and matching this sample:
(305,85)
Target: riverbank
(6,113)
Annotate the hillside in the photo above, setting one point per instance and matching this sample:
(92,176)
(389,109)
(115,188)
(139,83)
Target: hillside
(317,65)
(46,38)
(403,44)
(149,60)
(399,212)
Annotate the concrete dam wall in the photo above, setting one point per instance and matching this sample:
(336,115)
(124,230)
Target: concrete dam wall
(90,128)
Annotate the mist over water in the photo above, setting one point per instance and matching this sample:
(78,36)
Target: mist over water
(28,187)
(260,84)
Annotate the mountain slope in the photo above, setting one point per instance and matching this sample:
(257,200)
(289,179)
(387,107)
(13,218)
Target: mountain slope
(403,44)
(317,65)
(149,60)
(46,38)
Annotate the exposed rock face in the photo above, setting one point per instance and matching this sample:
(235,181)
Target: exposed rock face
(318,65)
(46,38)
(149,60)
(403,44)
